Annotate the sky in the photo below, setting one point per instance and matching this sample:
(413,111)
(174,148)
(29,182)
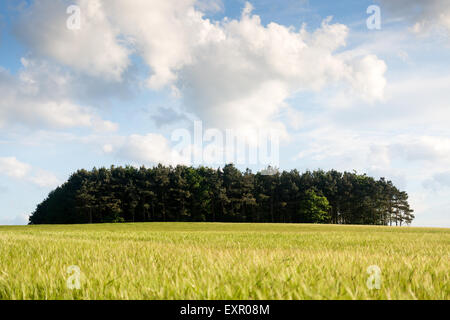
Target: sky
(346,85)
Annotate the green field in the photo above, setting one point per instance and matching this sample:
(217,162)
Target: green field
(223,261)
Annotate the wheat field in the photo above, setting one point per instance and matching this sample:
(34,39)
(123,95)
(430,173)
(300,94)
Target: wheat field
(223,261)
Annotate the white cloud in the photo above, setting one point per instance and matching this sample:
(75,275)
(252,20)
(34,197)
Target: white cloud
(100,125)
(107,148)
(294,118)
(415,103)
(231,73)
(44,179)
(438,181)
(373,148)
(368,79)
(424,16)
(150,149)
(16,169)
(418,100)
(11,167)
(245,75)
(163,33)
(38,98)
(406,159)
(21,219)
(423,148)
(431,208)
(94,49)
(210,5)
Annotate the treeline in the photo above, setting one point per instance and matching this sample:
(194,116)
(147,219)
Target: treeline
(203,194)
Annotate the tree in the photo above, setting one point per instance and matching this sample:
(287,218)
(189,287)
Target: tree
(184,193)
(314,208)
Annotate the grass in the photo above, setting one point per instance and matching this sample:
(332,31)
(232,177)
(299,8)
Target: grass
(223,261)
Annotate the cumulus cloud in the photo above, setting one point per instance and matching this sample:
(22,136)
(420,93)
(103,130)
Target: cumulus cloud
(232,73)
(245,75)
(16,169)
(11,167)
(44,179)
(368,78)
(95,48)
(164,33)
(38,98)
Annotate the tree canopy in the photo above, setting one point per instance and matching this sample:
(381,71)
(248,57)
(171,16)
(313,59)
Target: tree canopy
(181,193)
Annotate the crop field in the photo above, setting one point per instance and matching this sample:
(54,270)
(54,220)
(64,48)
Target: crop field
(223,261)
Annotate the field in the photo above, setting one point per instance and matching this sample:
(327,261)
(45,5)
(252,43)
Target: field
(223,261)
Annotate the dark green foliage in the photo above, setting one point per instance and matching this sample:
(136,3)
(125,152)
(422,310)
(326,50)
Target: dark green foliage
(203,194)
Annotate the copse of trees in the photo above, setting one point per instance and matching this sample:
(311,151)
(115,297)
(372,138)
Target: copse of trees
(181,193)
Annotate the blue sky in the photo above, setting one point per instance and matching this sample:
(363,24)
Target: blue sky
(115,89)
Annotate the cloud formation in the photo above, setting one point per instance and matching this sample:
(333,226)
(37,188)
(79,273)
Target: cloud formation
(230,73)
(149,149)
(424,16)
(438,181)
(38,97)
(18,220)
(13,168)
(94,48)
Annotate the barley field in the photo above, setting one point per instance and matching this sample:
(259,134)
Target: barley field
(223,261)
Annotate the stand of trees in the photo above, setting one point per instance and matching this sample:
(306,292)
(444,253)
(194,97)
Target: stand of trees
(203,194)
